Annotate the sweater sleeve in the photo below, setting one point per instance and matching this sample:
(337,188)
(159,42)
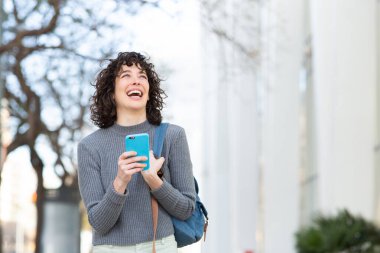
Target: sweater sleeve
(103,205)
(178,198)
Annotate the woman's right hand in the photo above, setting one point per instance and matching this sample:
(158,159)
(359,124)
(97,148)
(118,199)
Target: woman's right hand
(128,164)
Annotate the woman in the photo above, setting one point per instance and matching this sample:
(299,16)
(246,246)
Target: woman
(116,192)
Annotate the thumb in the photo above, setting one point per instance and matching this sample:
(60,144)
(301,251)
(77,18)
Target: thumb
(161,159)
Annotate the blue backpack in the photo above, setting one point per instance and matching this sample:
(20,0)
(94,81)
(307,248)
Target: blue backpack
(191,230)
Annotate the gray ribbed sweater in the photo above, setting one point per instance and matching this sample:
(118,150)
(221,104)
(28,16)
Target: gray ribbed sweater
(126,219)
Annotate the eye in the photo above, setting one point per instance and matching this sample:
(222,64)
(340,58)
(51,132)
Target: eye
(124,75)
(144,76)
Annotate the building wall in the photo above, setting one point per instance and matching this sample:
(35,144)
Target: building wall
(252,156)
(273,149)
(377,149)
(345,103)
(280,123)
(230,134)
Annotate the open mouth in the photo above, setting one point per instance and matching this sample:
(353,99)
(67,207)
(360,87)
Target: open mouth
(135,93)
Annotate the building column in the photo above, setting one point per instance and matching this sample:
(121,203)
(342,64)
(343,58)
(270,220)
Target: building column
(230,130)
(344,47)
(282,46)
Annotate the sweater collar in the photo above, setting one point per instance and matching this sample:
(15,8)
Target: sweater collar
(139,128)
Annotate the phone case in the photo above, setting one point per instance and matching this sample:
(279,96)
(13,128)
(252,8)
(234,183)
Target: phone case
(140,144)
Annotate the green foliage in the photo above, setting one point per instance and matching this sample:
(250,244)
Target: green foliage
(343,233)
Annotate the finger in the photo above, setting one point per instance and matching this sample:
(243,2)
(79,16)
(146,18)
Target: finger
(132,160)
(151,154)
(134,171)
(125,155)
(132,166)
(139,158)
(160,162)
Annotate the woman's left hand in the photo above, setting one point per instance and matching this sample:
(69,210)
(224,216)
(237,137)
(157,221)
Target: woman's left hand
(150,175)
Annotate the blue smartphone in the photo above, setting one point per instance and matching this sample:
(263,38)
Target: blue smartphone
(140,144)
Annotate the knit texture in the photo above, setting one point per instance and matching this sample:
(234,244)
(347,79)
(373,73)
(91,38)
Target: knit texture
(126,219)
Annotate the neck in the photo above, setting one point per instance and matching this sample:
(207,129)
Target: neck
(130,118)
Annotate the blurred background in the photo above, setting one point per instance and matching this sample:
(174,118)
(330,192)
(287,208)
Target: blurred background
(280,101)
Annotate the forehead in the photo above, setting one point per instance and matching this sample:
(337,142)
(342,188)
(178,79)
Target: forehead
(133,67)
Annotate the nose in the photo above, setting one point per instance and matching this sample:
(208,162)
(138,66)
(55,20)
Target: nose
(135,80)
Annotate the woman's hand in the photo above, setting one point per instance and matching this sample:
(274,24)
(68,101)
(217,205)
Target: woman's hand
(128,165)
(150,176)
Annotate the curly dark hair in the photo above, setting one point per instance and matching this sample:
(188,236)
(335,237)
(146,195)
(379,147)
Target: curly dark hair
(103,107)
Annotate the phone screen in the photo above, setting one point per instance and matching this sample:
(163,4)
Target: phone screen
(140,144)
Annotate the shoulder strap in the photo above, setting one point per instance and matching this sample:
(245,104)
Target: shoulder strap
(205,213)
(158,142)
(159,136)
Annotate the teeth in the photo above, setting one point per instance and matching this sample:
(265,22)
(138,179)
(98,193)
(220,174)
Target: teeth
(134,92)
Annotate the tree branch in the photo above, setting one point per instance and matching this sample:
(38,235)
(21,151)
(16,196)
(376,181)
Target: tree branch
(35,8)
(12,97)
(74,52)
(18,141)
(29,50)
(239,46)
(15,13)
(17,41)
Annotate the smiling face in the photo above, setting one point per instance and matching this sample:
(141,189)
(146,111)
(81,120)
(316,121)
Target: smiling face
(131,90)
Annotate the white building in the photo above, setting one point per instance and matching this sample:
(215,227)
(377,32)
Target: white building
(291,117)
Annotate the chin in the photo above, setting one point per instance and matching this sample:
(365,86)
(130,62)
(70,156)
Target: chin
(137,107)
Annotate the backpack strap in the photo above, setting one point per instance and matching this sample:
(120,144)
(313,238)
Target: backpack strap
(205,213)
(155,221)
(203,208)
(158,143)
(159,136)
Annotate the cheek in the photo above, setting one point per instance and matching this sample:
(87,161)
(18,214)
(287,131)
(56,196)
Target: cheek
(120,85)
(147,90)
(118,92)
(120,88)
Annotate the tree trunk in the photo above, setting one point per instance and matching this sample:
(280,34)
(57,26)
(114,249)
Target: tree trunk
(40,211)
(38,166)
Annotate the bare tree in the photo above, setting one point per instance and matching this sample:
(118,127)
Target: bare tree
(52,47)
(221,20)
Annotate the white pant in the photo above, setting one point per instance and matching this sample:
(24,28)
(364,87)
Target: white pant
(164,245)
